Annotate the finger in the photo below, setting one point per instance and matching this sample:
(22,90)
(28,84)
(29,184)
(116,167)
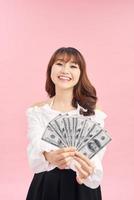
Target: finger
(63,156)
(62,167)
(84,165)
(64,162)
(67,149)
(81,172)
(79,180)
(82,162)
(83,157)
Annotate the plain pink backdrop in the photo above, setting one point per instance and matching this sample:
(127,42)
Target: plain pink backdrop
(30,31)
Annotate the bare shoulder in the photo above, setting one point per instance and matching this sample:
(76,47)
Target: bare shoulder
(98,108)
(41,103)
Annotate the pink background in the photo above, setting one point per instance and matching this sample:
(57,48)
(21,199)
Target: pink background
(30,31)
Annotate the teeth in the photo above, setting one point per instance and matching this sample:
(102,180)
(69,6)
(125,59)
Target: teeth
(63,77)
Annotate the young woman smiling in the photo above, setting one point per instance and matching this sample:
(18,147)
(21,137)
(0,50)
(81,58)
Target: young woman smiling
(69,91)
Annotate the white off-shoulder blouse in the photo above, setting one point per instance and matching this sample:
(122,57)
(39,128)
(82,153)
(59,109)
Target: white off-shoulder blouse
(38,118)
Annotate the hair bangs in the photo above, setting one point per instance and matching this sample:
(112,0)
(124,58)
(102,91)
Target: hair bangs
(66,57)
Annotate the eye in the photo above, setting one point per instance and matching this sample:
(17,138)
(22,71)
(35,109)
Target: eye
(58,63)
(73,66)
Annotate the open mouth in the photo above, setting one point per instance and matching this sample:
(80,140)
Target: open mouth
(66,78)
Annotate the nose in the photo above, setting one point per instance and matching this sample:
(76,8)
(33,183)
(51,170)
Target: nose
(65,69)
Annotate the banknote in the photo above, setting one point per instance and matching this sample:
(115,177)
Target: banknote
(88,127)
(91,130)
(76,130)
(69,128)
(60,128)
(60,125)
(91,147)
(52,137)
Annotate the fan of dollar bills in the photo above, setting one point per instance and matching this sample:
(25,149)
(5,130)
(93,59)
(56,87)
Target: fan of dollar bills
(76,130)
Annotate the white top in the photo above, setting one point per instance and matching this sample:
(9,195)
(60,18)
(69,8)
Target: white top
(38,118)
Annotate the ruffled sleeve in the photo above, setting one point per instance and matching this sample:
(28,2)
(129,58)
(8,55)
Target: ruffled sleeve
(36,145)
(99,117)
(95,179)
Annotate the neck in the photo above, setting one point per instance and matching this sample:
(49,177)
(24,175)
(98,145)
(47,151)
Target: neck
(63,98)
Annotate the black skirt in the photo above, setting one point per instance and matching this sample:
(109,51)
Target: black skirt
(60,185)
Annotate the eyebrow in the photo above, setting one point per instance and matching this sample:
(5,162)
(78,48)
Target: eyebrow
(64,61)
(75,63)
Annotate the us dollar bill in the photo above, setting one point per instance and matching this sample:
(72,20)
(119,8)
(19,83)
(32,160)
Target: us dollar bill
(59,127)
(92,129)
(79,126)
(87,127)
(69,129)
(79,131)
(93,146)
(52,137)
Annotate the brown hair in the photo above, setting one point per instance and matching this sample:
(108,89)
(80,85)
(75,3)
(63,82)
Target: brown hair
(83,92)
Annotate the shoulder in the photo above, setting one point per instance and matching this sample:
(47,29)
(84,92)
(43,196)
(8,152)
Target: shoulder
(40,103)
(99,117)
(35,107)
(99,112)
(98,107)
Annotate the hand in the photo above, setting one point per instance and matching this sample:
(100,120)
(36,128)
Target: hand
(60,157)
(84,167)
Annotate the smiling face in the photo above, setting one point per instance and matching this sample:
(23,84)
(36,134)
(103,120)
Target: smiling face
(65,72)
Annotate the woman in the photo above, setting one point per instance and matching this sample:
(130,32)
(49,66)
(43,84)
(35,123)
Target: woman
(70,91)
